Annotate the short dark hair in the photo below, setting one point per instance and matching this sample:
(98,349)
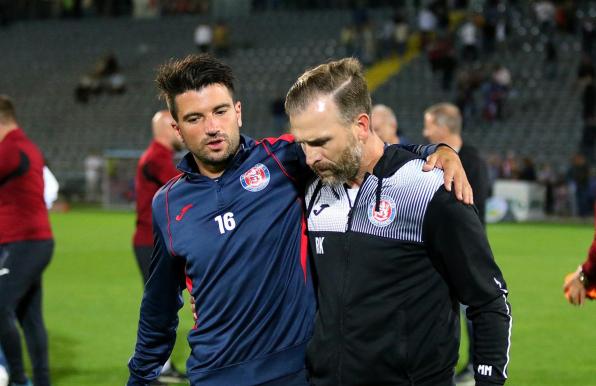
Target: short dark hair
(343,79)
(7,111)
(192,73)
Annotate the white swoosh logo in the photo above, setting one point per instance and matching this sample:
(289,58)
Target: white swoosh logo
(4,271)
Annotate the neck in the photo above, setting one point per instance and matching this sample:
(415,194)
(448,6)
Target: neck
(454,141)
(5,129)
(165,142)
(372,151)
(211,171)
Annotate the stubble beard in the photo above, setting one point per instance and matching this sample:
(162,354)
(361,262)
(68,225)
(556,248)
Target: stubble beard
(218,160)
(346,168)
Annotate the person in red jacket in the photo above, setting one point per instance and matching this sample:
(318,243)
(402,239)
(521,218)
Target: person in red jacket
(582,283)
(26,247)
(155,168)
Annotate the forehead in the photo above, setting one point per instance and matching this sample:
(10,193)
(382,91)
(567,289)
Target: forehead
(204,98)
(320,118)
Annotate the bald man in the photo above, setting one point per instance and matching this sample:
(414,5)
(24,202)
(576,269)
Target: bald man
(155,168)
(384,123)
(442,124)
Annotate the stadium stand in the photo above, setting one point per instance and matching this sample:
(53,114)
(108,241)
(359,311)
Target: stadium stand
(45,60)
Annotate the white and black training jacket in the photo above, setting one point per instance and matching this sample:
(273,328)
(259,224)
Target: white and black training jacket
(392,264)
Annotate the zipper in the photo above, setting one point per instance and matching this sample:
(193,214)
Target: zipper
(347,240)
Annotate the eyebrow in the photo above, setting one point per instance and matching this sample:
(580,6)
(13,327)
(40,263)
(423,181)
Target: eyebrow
(315,141)
(193,113)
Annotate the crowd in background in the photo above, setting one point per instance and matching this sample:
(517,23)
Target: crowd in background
(461,41)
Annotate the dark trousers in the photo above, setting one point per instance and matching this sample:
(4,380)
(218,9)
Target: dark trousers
(143,255)
(21,267)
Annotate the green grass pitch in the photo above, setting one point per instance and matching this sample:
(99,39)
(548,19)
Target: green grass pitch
(93,290)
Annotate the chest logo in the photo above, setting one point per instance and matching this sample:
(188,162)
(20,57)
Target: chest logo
(256,178)
(386,213)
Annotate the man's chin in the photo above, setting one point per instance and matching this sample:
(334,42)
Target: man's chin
(330,178)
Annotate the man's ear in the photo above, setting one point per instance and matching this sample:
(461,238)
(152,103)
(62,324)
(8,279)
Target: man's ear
(177,130)
(363,129)
(238,108)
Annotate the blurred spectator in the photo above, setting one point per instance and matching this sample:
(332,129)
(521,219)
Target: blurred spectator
(221,39)
(527,172)
(562,204)
(501,34)
(510,166)
(369,48)
(427,24)
(550,60)
(441,55)
(545,14)
(468,81)
(145,9)
(495,93)
(203,37)
(579,177)
(493,163)
(548,178)
(106,76)
(401,32)
(468,35)
(93,175)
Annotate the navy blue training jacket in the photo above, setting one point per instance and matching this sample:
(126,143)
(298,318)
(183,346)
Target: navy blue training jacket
(238,244)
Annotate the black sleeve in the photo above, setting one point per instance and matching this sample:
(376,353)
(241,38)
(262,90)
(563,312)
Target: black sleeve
(477,173)
(459,250)
(21,168)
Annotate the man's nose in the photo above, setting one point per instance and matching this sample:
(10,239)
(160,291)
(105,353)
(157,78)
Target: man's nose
(211,125)
(312,155)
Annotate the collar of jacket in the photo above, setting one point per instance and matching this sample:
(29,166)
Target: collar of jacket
(393,158)
(188,166)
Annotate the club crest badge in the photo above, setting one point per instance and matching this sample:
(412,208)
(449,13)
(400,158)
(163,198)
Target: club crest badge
(256,178)
(386,213)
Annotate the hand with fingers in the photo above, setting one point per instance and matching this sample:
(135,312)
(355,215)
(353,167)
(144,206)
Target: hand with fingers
(575,288)
(446,158)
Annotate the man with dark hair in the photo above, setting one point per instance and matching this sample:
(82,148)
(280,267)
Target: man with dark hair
(155,168)
(26,246)
(394,251)
(231,229)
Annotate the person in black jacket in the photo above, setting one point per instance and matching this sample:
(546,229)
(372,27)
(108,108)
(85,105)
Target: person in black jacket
(442,124)
(394,251)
